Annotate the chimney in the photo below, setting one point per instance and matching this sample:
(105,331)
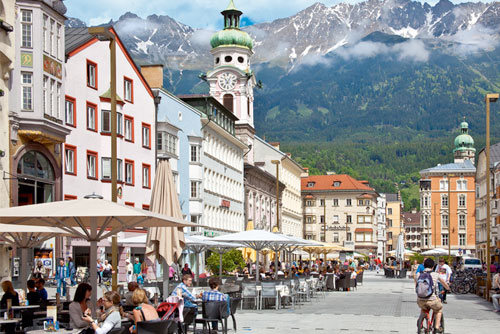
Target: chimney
(305,173)
(276,145)
(153,75)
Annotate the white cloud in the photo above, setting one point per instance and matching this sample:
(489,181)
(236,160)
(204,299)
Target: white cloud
(201,36)
(476,39)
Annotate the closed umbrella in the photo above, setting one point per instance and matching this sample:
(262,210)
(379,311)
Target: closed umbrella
(165,243)
(400,250)
(91,218)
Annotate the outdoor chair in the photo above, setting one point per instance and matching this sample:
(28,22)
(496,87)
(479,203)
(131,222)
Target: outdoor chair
(346,283)
(402,273)
(359,278)
(292,294)
(303,289)
(189,319)
(389,273)
(121,330)
(157,327)
(233,305)
(330,282)
(269,292)
(213,312)
(249,291)
(352,284)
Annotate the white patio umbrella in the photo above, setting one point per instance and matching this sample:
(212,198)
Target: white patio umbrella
(257,240)
(165,243)
(299,242)
(197,245)
(91,218)
(25,237)
(435,252)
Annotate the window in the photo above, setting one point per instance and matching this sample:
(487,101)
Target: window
(146,135)
(461,221)
(360,202)
(389,222)
(52,99)
(106,168)
(335,202)
(321,202)
(45,33)
(91,74)
(336,219)
(444,221)
(129,128)
(106,121)
(92,172)
(443,184)
(227,101)
(167,143)
(310,184)
(70,159)
(322,238)
(128,90)
(195,189)
(310,219)
(58,101)
(310,203)
(349,219)
(70,111)
(58,53)
(349,236)
(119,170)
(444,239)
(348,202)
(52,39)
(389,211)
(336,184)
(91,117)
(27,90)
(364,219)
(461,184)
(461,239)
(425,201)
(425,220)
(45,95)
(119,124)
(146,176)
(367,202)
(129,172)
(335,236)
(461,201)
(444,201)
(321,219)
(195,153)
(389,235)
(26,28)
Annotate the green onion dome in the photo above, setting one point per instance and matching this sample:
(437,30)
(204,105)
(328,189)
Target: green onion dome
(231,36)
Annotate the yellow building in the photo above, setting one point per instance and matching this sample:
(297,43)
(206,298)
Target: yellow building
(393,219)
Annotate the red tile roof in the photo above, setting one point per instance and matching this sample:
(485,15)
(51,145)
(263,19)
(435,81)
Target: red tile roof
(326,182)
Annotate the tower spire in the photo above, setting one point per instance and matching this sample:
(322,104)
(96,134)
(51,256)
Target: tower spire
(231,16)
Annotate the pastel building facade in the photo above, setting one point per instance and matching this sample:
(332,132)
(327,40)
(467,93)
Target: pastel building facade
(87,150)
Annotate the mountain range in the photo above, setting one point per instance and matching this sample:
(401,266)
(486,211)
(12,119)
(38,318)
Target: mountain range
(360,71)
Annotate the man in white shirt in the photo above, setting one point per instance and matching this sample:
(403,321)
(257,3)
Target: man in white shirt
(443,264)
(130,271)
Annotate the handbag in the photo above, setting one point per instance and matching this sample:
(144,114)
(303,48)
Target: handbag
(88,330)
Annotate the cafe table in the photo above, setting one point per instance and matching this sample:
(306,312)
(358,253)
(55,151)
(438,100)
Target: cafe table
(9,321)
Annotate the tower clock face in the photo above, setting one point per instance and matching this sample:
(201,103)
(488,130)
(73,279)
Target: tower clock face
(227,81)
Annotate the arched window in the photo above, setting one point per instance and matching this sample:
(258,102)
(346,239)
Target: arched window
(228,102)
(38,179)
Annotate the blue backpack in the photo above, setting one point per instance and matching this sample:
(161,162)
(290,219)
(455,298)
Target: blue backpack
(425,285)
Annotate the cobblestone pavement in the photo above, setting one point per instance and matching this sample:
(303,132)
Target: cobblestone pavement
(380,305)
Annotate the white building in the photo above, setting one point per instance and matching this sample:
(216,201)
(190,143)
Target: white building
(218,191)
(87,153)
(290,174)
(381,226)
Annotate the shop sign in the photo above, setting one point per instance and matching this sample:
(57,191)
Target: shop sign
(26,59)
(224,203)
(52,67)
(210,234)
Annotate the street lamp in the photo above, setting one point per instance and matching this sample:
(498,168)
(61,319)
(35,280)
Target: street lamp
(104,34)
(490,98)
(277,163)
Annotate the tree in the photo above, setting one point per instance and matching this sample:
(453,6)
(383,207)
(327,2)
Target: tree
(230,261)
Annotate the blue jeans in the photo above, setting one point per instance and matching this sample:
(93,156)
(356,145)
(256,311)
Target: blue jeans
(61,283)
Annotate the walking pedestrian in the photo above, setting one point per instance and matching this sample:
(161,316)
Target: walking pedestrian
(71,271)
(100,268)
(61,276)
(137,268)
(130,271)
(447,271)
(39,270)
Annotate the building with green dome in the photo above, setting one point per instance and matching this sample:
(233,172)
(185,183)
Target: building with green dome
(464,145)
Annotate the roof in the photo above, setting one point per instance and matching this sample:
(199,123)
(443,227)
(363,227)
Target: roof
(461,167)
(392,197)
(411,218)
(326,182)
(76,37)
(285,156)
(107,95)
(494,154)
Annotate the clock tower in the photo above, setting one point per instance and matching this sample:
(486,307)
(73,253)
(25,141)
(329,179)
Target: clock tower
(231,80)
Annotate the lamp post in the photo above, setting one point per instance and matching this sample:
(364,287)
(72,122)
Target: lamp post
(490,98)
(449,214)
(276,254)
(324,221)
(104,34)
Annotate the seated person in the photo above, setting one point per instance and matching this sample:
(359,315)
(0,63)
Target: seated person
(111,317)
(78,309)
(9,293)
(128,296)
(32,296)
(181,290)
(40,288)
(144,311)
(214,295)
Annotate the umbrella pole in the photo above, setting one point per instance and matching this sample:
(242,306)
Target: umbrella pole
(220,265)
(93,274)
(24,268)
(166,278)
(197,269)
(276,263)
(257,274)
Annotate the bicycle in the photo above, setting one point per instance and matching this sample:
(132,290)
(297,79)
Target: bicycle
(425,323)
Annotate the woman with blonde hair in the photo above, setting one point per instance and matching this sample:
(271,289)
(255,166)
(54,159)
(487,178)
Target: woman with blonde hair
(111,318)
(143,311)
(9,293)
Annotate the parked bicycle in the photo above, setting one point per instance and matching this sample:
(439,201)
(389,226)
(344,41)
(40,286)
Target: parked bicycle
(464,281)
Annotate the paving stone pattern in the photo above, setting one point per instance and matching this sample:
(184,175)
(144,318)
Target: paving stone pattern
(380,305)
